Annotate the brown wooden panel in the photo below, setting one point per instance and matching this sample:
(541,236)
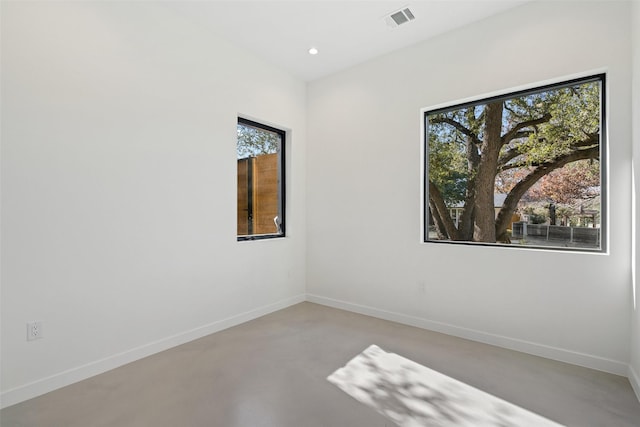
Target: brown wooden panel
(263,190)
(265,193)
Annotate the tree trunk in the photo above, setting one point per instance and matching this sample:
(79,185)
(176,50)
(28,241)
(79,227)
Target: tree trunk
(465,226)
(485,225)
(436,200)
(437,223)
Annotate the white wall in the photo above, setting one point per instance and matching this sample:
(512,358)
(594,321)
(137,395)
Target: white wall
(118,187)
(363,190)
(634,371)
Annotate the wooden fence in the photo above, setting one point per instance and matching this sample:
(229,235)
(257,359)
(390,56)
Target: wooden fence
(257,194)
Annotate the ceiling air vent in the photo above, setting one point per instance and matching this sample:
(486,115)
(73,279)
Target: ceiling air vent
(400,17)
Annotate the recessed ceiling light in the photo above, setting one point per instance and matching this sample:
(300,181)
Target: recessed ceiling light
(313,51)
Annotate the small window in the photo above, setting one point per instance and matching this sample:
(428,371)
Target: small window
(524,169)
(260,153)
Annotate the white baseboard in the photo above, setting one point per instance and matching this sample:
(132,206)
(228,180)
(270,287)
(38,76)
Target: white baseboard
(555,353)
(61,379)
(634,379)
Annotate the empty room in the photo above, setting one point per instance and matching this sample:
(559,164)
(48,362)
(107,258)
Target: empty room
(319,213)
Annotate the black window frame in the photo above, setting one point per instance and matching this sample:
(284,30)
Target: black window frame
(281,180)
(603,148)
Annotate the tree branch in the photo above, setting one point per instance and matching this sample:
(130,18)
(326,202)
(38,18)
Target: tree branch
(542,169)
(592,139)
(459,127)
(509,155)
(511,134)
(510,166)
(437,201)
(593,150)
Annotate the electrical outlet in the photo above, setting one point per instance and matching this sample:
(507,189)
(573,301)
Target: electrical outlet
(34,331)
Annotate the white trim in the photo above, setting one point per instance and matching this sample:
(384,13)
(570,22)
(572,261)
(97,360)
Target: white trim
(549,352)
(61,379)
(634,379)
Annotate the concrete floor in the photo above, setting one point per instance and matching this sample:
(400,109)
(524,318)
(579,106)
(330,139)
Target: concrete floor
(271,372)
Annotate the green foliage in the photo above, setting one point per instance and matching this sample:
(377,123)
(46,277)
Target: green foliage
(447,168)
(575,114)
(450,150)
(254,142)
(537,214)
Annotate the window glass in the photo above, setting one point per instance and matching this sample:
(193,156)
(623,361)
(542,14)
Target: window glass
(260,157)
(521,170)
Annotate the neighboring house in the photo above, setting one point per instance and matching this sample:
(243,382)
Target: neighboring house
(498,201)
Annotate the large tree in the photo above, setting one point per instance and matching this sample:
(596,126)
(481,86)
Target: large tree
(508,143)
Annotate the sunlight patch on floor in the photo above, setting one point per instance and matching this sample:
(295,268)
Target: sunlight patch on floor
(413,395)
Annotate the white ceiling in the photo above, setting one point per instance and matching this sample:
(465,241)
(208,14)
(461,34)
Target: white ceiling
(345,32)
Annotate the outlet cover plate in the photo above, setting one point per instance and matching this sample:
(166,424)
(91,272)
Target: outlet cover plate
(34,330)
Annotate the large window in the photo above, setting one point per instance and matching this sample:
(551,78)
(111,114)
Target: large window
(524,169)
(260,153)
